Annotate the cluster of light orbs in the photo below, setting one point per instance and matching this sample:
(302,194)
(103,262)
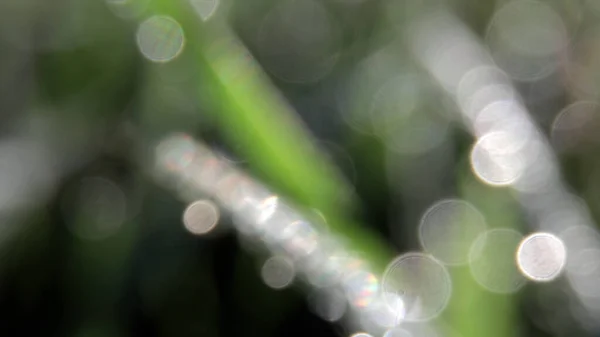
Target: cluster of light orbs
(300,250)
(415,287)
(510,151)
(499,259)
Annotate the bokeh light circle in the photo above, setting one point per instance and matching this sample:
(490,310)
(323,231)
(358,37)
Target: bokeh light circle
(278,272)
(492,261)
(422,282)
(448,228)
(495,160)
(541,257)
(201,217)
(160,38)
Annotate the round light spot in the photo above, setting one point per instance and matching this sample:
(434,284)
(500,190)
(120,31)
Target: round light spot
(541,257)
(278,272)
(422,282)
(160,38)
(201,217)
(448,229)
(495,160)
(492,261)
(205,8)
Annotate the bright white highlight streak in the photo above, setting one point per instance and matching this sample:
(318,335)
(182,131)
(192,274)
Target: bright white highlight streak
(201,217)
(160,38)
(422,282)
(492,262)
(278,272)
(541,257)
(448,228)
(299,238)
(387,312)
(267,208)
